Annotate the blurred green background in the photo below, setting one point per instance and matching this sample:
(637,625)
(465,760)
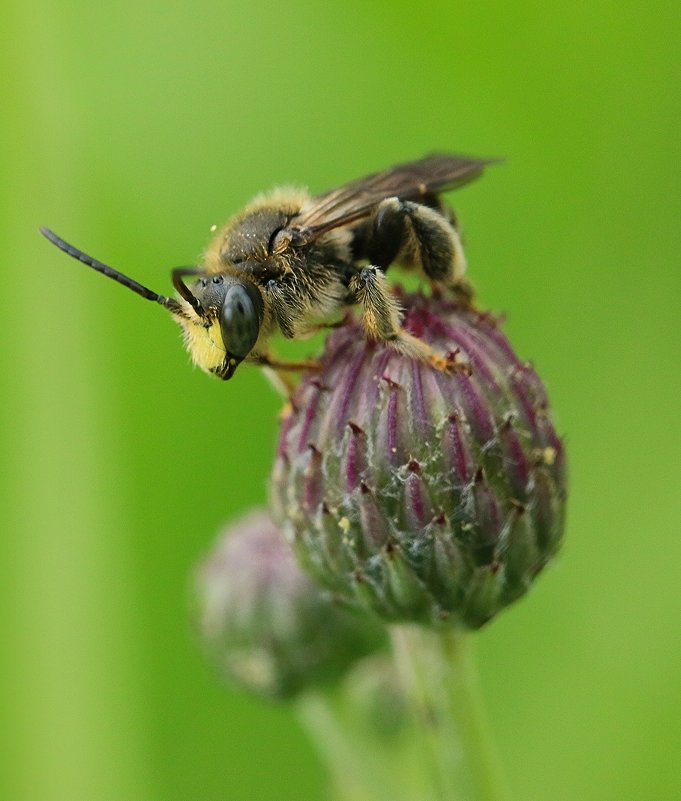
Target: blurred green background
(131,129)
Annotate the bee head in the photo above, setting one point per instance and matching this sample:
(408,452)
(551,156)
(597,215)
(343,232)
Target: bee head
(224,329)
(221,315)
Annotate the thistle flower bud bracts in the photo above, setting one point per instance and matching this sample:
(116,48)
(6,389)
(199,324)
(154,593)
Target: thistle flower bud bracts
(432,496)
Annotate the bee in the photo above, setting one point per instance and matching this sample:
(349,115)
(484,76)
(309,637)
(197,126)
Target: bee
(292,263)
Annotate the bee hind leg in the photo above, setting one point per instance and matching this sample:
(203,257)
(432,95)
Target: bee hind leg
(416,233)
(381,318)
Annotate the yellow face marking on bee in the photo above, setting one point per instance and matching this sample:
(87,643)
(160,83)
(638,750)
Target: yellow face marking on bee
(204,344)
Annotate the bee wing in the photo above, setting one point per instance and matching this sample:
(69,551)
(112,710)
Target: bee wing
(357,200)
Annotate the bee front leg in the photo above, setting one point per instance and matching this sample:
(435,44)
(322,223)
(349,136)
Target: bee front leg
(267,360)
(278,371)
(414,233)
(381,317)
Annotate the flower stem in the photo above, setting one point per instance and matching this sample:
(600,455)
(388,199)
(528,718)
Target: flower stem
(410,728)
(352,774)
(439,680)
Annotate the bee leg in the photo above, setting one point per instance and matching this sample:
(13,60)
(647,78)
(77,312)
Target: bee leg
(317,328)
(414,233)
(267,360)
(282,382)
(381,317)
(277,371)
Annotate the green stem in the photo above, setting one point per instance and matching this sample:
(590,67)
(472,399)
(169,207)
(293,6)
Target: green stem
(354,776)
(439,680)
(427,742)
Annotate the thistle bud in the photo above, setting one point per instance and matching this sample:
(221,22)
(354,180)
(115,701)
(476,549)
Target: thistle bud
(428,495)
(267,624)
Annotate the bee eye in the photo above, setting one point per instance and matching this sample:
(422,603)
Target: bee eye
(240,319)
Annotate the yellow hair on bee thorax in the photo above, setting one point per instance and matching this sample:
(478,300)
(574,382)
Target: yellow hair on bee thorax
(289,198)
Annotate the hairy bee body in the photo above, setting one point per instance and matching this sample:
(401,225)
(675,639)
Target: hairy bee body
(290,262)
(301,287)
(304,282)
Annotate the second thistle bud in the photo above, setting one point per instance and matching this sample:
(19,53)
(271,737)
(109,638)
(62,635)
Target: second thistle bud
(427,495)
(266,623)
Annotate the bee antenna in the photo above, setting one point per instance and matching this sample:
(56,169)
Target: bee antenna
(169,303)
